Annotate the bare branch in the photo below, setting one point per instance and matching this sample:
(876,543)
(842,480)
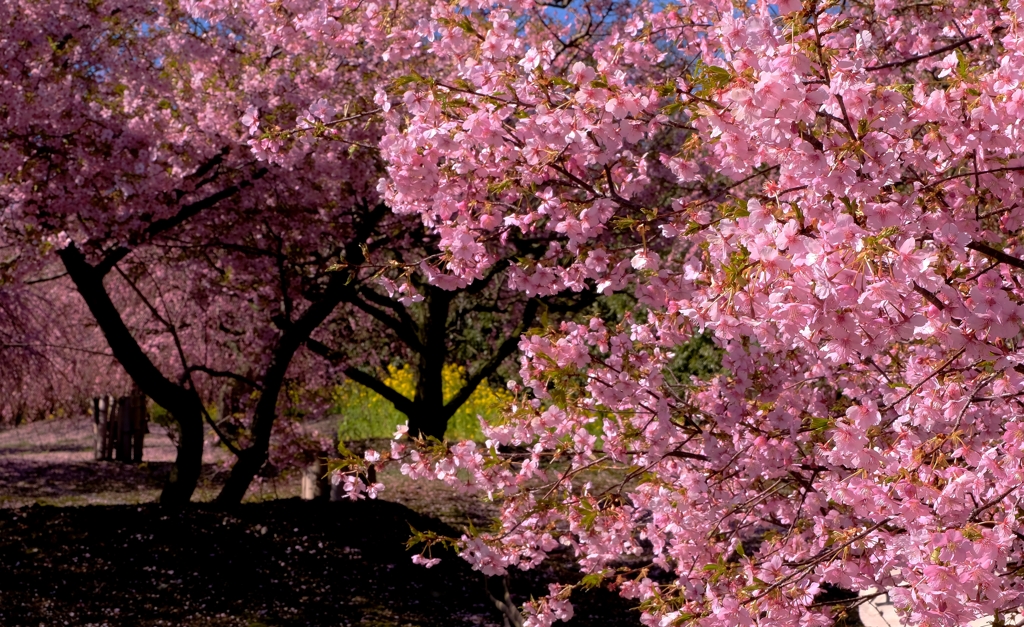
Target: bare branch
(998,255)
(225,374)
(919,57)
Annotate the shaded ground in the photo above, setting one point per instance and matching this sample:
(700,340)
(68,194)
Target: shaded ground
(51,463)
(72,441)
(283,562)
(82,543)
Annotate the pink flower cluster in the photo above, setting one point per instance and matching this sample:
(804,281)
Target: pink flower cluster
(831,192)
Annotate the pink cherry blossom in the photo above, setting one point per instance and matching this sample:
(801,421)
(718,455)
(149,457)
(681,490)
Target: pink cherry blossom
(831,199)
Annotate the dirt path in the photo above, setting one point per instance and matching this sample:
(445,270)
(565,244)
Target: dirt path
(51,463)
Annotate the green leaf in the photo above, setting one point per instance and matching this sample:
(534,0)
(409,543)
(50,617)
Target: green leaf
(673,108)
(667,88)
(718,76)
(972,533)
(962,65)
(408,79)
(820,424)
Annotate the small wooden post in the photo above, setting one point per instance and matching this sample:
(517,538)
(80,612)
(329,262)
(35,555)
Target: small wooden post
(99,428)
(104,430)
(140,424)
(111,417)
(119,427)
(337,491)
(314,485)
(123,422)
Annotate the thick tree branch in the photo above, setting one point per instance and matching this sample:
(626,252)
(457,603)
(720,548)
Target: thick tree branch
(505,350)
(122,344)
(225,440)
(928,296)
(364,379)
(998,255)
(182,403)
(187,370)
(405,334)
(400,402)
(164,224)
(225,374)
(404,325)
(205,169)
(294,334)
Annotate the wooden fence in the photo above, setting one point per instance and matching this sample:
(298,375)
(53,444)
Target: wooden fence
(120,426)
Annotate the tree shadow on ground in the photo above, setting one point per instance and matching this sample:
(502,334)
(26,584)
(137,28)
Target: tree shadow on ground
(283,562)
(20,478)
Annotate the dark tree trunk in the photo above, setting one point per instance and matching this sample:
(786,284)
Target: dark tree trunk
(251,460)
(181,402)
(248,465)
(123,428)
(188,464)
(140,420)
(429,417)
(294,334)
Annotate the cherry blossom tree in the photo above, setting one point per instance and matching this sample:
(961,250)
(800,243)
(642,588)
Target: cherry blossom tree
(137,174)
(52,358)
(832,190)
(407,319)
(174,175)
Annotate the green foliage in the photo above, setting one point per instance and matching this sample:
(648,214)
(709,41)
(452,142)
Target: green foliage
(699,357)
(162,417)
(366,414)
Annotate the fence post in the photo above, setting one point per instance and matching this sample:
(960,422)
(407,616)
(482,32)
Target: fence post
(140,421)
(123,425)
(314,485)
(337,490)
(99,428)
(119,427)
(111,417)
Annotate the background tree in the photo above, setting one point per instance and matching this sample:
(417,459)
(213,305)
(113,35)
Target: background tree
(127,171)
(52,359)
(429,327)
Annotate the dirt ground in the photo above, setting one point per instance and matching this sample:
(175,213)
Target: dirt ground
(82,543)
